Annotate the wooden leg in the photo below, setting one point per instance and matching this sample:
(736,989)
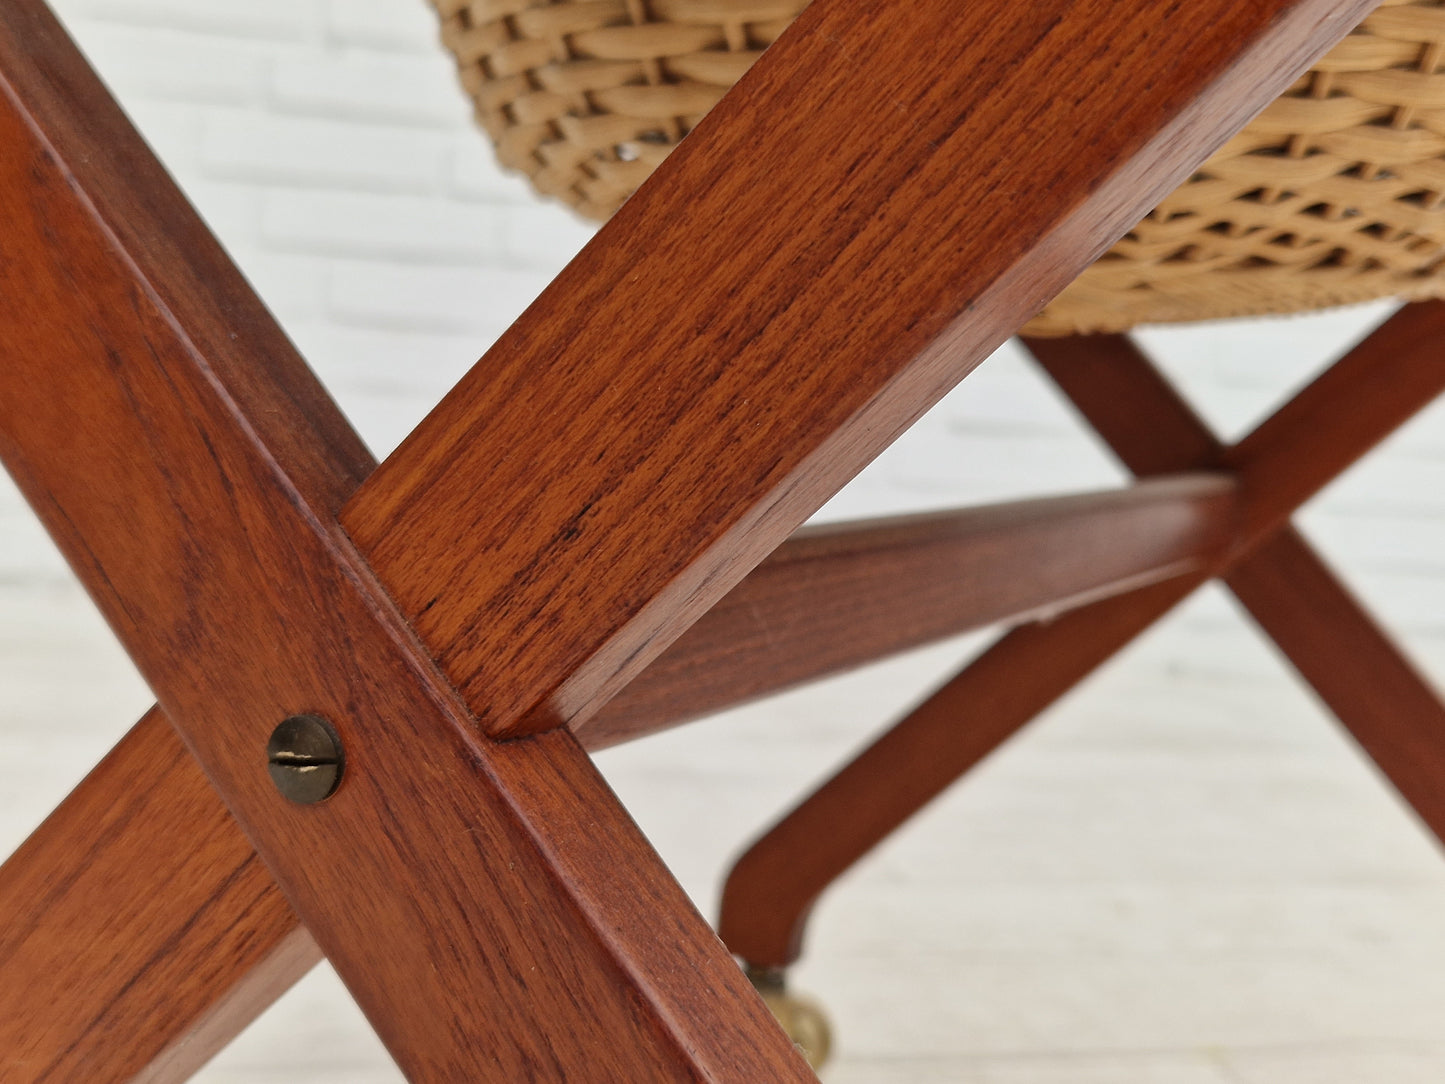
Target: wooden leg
(1333,642)
(1129,403)
(1359,673)
(1348,409)
(772,888)
(1365,396)
(141,893)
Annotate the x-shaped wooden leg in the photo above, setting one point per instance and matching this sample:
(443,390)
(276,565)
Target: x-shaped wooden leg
(1358,672)
(1336,646)
(599,481)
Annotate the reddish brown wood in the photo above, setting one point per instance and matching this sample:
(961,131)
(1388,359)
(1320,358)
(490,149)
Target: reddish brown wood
(140,930)
(496,914)
(1360,674)
(792,288)
(838,596)
(771,890)
(1372,688)
(141,209)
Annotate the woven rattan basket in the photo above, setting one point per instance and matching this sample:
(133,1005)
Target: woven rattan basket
(1335,194)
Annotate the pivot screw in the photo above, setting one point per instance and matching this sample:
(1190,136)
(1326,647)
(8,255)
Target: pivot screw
(304,759)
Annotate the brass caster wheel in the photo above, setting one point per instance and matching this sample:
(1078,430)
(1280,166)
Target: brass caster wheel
(802,1018)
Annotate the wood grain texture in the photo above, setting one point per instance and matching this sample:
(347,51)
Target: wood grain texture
(196,504)
(794,286)
(494,911)
(183,884)
(838,596)
(136,199)
(771,890)
(141,932)
(177,866)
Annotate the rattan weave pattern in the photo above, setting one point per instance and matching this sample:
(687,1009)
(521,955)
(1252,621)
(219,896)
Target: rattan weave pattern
(587,96)
(1335,194)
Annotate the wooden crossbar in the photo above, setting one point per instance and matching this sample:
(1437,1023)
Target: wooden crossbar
(835,597)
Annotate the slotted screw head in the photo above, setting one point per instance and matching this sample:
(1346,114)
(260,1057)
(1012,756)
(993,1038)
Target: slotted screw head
(304,758)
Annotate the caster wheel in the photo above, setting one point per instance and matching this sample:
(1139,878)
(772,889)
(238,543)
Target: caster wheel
(802,1018)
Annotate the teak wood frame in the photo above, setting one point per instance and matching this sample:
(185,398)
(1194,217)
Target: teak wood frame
(474,612)
(1390,709)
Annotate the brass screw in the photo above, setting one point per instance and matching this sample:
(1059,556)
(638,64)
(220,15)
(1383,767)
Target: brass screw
(304,759)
